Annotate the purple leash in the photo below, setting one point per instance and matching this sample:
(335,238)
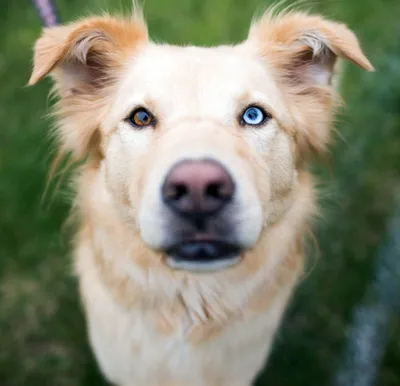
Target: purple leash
(47,12)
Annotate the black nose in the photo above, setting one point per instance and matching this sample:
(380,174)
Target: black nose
(197,188)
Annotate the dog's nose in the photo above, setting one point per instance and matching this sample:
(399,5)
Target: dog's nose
(197,188)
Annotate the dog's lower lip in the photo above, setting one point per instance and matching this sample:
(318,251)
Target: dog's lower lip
(203,251)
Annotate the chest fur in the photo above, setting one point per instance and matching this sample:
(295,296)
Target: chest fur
(145,347)
(199,342)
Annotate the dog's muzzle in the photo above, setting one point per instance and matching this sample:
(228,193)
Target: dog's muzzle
(198,194)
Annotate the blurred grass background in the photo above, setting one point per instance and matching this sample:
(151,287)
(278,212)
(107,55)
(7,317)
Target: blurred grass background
(42,331)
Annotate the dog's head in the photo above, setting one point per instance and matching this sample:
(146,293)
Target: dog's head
(200,148)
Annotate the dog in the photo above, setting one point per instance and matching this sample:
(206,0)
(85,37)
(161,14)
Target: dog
(193,194)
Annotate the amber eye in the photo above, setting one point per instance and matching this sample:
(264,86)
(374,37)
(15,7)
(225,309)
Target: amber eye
(141,118)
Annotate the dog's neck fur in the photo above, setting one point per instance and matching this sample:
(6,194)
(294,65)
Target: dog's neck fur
(142,282)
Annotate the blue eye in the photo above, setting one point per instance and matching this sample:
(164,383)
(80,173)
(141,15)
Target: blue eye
(254,116)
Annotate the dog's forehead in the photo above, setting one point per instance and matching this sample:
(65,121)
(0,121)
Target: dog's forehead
(195,78)
(192,60)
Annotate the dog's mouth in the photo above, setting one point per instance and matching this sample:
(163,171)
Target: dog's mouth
(203,255)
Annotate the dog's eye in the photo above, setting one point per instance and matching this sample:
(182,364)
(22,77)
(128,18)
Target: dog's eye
(141,118)
(254,116)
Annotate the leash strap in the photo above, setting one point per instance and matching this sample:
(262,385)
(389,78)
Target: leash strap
(47,12)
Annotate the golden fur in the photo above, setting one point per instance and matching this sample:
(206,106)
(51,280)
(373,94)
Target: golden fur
(149,324)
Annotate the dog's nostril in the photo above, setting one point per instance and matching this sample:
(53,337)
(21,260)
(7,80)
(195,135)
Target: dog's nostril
(213,190)
(181,191)
(217,190)
(176,192)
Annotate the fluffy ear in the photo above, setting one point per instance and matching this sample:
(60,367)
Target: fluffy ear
(307,46)
(83,53)
(84,59)
(302,51)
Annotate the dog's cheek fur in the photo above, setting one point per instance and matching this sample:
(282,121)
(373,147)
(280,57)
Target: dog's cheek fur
(270,152)
(283,177)
(127,157)
(313,113)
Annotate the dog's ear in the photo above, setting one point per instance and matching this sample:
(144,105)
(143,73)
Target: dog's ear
(307,47)
(302,51)
(85,59)
(81,55)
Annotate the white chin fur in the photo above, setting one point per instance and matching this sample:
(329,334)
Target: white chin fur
(202,267)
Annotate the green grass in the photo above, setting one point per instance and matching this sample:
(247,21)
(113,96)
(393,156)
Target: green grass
(42,331)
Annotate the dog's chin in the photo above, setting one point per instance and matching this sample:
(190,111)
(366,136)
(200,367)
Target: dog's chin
(203,256)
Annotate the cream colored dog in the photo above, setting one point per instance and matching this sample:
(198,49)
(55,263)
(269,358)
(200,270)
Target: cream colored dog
(194,196)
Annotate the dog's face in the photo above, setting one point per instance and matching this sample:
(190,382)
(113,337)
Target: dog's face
(197,150)
(200,148)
